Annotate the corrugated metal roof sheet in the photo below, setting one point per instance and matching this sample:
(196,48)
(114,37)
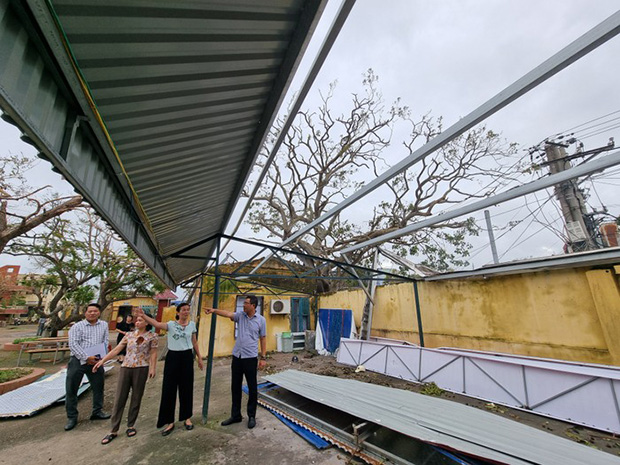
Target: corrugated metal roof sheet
(186,91)
(441,422)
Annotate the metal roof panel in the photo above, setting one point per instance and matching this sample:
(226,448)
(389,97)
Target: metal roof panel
(181,88)
(441,422)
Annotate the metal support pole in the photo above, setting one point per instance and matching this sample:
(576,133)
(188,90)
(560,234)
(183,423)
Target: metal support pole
(216,298)
(487,217)
(370,303)
(418,313)
(198,313)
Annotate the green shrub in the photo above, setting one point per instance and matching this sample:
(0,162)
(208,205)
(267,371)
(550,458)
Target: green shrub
(431,389)
(19,340)
(13,373)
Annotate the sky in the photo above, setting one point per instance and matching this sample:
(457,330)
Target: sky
(449,57)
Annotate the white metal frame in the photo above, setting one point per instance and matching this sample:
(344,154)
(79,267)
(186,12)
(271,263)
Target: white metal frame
(585,394)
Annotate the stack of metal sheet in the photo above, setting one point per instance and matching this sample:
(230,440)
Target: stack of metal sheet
(440,422)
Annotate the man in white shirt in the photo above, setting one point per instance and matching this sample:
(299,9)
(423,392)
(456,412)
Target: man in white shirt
(85,335)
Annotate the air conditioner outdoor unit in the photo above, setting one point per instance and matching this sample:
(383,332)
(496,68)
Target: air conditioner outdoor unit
(280,307)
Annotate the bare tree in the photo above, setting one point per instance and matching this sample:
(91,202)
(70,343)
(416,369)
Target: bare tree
(326,157)
(23,208)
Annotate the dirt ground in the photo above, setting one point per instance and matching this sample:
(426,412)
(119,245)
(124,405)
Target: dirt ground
(41,438)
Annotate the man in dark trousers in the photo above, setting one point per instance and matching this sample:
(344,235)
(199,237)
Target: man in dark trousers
(84,337)
(252,328)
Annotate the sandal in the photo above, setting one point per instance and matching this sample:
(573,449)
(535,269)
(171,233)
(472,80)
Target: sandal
(168,430)
(108,439)
(131,432)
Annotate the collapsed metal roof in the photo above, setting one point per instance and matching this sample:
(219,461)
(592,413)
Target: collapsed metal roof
(154,110)
(441,422)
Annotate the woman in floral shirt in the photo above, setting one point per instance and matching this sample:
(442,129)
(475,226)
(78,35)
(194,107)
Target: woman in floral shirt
(139,365)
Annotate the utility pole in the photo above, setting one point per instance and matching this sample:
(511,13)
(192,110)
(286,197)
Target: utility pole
(487,217)
(581,231)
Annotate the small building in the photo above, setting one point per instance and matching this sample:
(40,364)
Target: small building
(164,299)
(284,312)
(122,308)
(12,293)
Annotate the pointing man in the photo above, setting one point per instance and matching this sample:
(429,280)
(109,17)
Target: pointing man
(252,328)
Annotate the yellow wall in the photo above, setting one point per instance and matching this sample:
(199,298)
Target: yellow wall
(135,302)
(349,300)
(564,314)
(168,314)
(225,328)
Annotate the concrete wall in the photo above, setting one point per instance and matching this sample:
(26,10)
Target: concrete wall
(111,312)
(565,314)
(225,328)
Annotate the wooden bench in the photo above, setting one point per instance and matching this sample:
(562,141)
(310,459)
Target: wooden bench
(55,346)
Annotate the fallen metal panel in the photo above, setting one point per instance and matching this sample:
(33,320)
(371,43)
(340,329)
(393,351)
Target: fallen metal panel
(30,399)
(341,439)
(441,422)
(585,394)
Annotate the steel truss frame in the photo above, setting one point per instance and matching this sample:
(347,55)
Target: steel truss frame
(354,272)
(580,393)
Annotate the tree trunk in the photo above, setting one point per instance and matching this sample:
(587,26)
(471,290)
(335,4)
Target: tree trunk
(10,232)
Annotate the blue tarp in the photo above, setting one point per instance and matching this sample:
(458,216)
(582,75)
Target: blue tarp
(309,436)
(333,325)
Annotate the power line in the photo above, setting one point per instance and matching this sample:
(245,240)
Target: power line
(520,235)
(596,125)
(526,239)
(600,131)
(512,226)
(588,122)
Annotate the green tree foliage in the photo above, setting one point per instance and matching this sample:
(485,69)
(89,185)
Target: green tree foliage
(82,259)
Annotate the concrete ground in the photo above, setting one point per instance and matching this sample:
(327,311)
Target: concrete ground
(41,439)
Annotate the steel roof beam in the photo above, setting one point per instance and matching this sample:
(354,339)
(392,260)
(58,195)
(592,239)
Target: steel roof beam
(326,47)
(589,41)
(543,183)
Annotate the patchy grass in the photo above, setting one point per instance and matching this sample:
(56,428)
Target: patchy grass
(431,389)
(19,340)
(13,373)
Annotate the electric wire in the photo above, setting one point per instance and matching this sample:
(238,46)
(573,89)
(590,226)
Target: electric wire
(588,122)
(513,245)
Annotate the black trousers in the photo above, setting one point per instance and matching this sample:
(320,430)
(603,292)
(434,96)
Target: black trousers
(75,373)
(178,377)
(241,367)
